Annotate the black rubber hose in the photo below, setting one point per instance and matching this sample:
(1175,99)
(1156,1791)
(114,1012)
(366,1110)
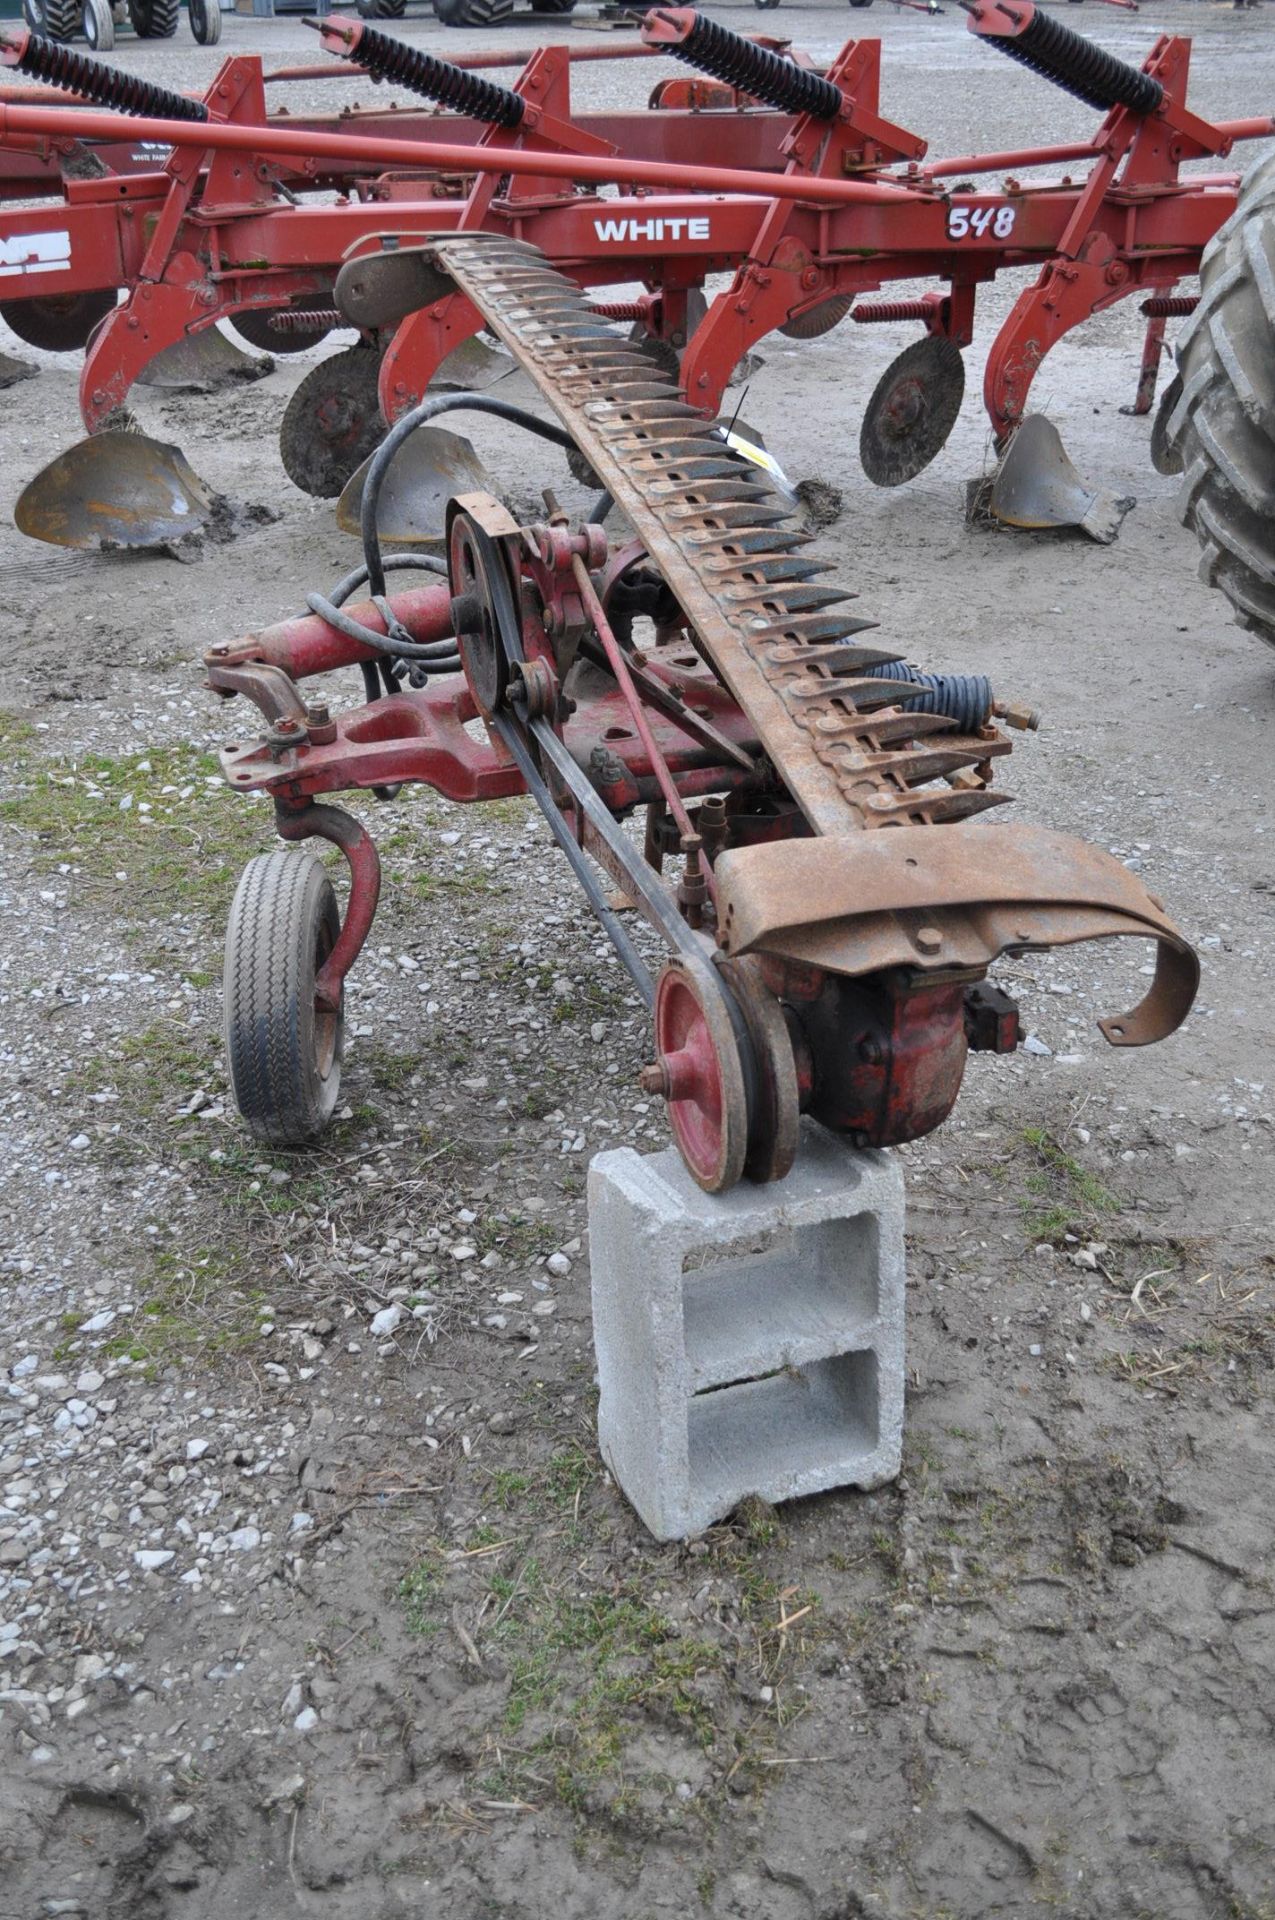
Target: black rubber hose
(751,69)
(388,59)
(1062,55)
(60,66)
(434,656)
(965,698)
(402,429)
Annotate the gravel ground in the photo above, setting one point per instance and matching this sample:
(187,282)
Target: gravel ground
(314,1596)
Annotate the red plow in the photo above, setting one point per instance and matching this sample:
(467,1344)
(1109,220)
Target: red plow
(814,203)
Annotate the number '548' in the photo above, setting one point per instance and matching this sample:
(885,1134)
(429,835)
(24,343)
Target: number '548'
(967,223)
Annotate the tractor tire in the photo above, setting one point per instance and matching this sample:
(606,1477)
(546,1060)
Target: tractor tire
(381,9)
(472,13)
(55,19)
(205,21)
(284,1050)
(1218,417)
(154,19)
(98,23)
(57,323)
(553,6)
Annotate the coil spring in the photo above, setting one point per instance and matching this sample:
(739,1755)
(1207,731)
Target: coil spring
(767,76)
(468,93)
(61,67)
(616,309)
(965,698)
(872,312)
(305,320)
(1064,56)
(1170,306)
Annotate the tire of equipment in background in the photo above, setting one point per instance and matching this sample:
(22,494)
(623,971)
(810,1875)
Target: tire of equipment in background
(154,19)
(98,23)
(382,9)
(56,19)
(1220,422)
(285,1062)
(472,13)
(205,21)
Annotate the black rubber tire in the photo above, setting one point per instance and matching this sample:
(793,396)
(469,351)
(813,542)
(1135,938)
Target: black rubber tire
(205,21)
(154,19)
(472,13)
(1220,422)
(98,23)
(557,6)
(332,423)
(57,324)
(860,3)
(285,1059)
(55,19)
(382,9)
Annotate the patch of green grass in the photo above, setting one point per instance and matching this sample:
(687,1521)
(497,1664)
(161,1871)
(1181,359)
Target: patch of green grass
(1064,1194)
(195,1305)
(154,1068)
(15,732)
(570,1471)
(421,1592)
(156,816)
(508,1487)
(391,1071)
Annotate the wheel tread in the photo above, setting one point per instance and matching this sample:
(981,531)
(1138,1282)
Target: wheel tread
(282,897)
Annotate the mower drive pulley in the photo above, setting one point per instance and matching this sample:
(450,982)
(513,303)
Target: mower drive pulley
(700,1072)
(333,422)
(912,411)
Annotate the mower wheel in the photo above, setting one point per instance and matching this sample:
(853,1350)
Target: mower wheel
(562,6)
(154,19)
(54,19)
(382,9)
(860,3)
(205,21)
(284,1047)
(57,323)
(1218,417)
(98,23)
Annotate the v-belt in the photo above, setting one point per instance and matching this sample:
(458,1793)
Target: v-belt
(724,543)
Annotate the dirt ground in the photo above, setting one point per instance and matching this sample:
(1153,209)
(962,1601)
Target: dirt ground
(299,1617)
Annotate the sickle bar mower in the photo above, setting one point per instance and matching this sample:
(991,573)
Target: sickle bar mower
(823,939)
(815,201)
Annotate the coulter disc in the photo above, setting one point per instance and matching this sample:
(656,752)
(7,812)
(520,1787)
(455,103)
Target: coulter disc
(912,411)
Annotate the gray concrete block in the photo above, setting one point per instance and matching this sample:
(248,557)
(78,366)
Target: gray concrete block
(749,1342)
